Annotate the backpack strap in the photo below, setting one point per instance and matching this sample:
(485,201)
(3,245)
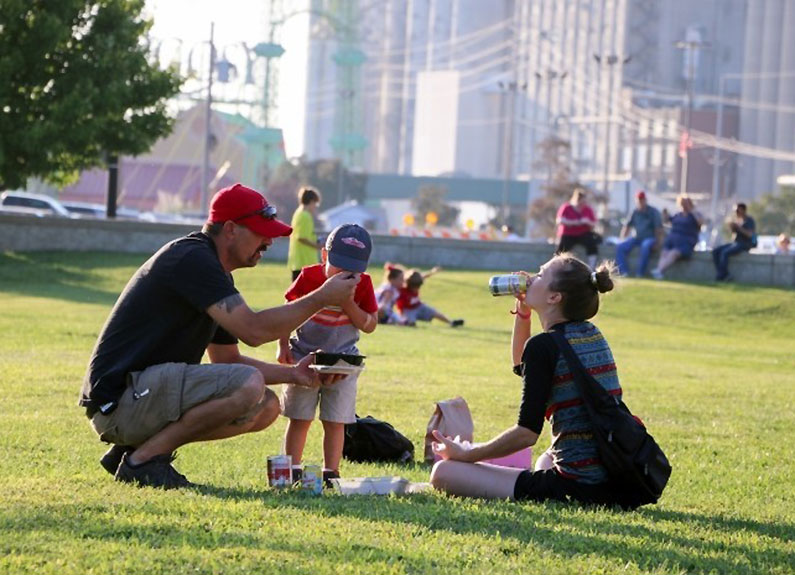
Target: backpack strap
(591,391)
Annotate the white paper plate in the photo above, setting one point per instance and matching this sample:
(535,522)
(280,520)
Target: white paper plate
(346,369)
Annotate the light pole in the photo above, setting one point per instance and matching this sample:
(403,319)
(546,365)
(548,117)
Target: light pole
(611,61)
(509,89)
(208,112)
(691,48)
(716,160)
(549,76)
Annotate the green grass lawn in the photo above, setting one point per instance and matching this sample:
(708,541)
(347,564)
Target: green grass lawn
(711,369)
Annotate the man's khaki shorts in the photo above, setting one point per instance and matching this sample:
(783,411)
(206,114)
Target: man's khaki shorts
(160,395)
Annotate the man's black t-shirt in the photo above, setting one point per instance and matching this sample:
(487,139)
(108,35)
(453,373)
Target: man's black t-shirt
(159,318)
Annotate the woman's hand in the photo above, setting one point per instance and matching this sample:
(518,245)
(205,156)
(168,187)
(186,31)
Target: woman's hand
(448,448)
(521,296)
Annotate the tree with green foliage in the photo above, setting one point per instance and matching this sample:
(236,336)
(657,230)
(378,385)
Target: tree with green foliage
(555,156)
(335,183)
(431,199)
(775,213)
(78,84)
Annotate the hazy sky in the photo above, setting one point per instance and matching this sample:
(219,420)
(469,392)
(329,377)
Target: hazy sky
(189,20)
(243,21)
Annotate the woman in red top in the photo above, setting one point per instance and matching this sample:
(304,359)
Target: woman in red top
(576,222)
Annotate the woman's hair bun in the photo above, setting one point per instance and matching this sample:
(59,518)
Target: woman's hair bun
(604,277)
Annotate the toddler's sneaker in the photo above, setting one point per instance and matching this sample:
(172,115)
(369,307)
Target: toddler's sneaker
(328,475)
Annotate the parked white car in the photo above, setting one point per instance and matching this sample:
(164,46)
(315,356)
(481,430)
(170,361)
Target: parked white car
(89,210)
(20,202)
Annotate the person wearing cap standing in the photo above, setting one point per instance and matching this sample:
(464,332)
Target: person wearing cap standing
(146,390)
(334,329)
(647,223)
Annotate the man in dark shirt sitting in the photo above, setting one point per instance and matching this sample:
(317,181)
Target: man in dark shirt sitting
(146,391)
(743,230)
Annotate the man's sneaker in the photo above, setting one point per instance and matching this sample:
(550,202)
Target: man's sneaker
(328,475)
(457,323)
(110,461)
(656,274)
(157,472)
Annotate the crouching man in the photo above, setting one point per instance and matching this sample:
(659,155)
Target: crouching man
(146,391)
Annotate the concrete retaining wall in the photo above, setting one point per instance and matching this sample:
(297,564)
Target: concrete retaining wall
(27,233)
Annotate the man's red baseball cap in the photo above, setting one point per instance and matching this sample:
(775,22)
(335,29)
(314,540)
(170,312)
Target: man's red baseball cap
(641,195)
(248,208)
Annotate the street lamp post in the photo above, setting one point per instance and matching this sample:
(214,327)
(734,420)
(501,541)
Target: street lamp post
(716,160)
(691,47)
(509,89)
(713,203)
(548,76)
(206,158)
(611,61)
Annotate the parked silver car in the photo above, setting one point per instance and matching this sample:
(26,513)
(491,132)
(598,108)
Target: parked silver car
(20,202)
(90,210)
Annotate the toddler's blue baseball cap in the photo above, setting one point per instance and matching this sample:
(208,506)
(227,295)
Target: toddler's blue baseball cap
(349,247)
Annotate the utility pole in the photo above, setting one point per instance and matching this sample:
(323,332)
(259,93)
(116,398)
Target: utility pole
(547,77)
(691,48)
(509,90)
(611,61)
(208,113)
(713,201)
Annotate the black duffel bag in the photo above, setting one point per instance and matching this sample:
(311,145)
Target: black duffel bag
(636,465)
(370,439)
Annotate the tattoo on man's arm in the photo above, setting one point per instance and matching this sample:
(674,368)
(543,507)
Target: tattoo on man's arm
(228,304)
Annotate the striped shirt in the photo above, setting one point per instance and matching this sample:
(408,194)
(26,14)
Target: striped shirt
(550,392)
(330,329)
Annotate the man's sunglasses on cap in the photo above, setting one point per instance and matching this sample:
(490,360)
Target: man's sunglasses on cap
(268,212)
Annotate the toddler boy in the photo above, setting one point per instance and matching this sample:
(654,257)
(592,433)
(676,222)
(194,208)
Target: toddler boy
(334,330)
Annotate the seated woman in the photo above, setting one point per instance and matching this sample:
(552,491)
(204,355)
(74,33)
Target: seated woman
(564,295)
(683,237)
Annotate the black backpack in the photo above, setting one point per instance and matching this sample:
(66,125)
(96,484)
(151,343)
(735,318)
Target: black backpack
(637,466)
(370,439)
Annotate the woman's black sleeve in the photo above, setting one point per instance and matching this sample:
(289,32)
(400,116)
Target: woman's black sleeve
(539,359)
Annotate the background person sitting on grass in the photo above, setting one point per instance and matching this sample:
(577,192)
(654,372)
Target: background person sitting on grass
(388,293)
(411,309)
(564,295)
(146,390)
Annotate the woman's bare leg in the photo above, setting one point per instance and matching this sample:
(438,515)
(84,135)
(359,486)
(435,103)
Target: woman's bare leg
(475,479)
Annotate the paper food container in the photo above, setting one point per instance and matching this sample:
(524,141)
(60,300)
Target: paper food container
(339,368)
(370,485)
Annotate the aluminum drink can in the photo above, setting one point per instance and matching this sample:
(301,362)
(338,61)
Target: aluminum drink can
(280,471)
(312,479)
(508,284)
